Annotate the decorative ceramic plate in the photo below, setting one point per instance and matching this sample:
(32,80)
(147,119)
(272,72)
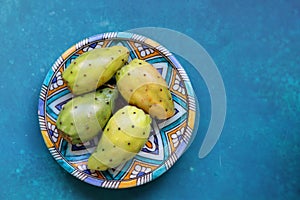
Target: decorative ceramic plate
(168,139)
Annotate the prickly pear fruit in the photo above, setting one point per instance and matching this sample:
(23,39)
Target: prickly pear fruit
(123,137)
(84,117)
(94,68)
(142,85)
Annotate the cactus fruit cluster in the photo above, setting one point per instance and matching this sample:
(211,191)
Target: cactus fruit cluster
(90,112)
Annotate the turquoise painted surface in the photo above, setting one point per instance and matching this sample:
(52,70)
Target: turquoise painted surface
(256,48)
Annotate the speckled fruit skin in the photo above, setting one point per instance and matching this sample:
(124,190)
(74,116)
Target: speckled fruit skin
(84,117)
(142,85)
(94,68)
(123,137)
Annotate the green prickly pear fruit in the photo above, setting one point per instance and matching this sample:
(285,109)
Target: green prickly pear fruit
(123,137)
(142,85)
(94,68)
(84,117)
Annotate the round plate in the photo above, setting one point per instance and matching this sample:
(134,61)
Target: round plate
(168,139)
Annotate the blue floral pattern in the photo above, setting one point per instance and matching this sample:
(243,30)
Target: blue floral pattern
(178,85)
(144,51)
(139,171)
(177,136)
(52,131)
(57,81)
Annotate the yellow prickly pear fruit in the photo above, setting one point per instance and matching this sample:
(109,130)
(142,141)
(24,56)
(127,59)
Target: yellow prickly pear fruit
(142,85)
(123,137)
(94,68)
(84,117)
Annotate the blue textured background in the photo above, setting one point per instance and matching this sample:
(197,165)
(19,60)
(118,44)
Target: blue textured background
(256,47)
